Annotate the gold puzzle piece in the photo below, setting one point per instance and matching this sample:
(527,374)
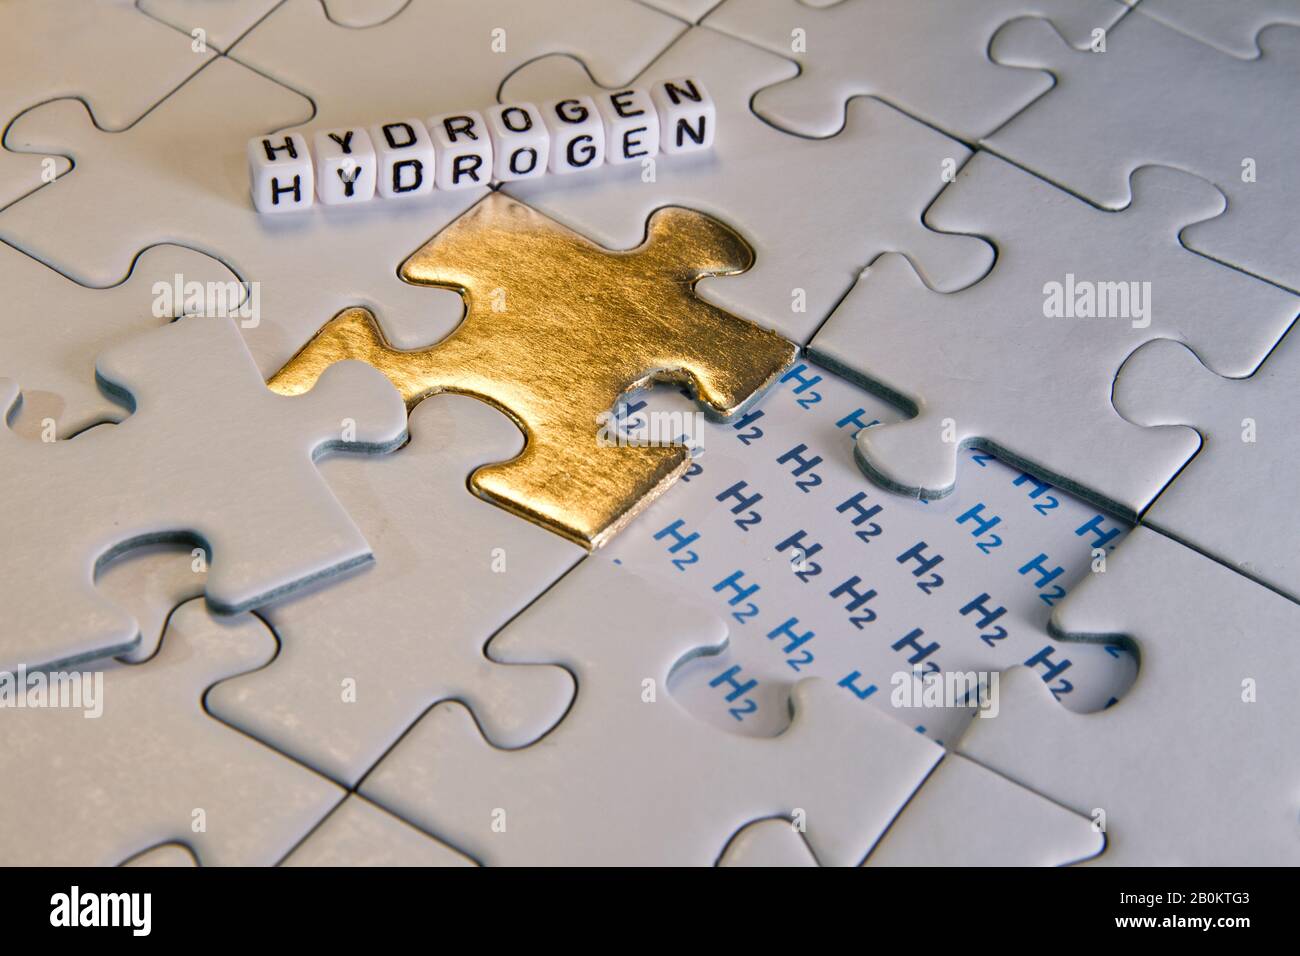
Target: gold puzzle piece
(556,329)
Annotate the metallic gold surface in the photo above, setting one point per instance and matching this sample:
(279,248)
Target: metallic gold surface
(557,328)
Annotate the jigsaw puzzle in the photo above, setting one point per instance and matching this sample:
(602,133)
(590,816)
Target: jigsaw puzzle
(904,479)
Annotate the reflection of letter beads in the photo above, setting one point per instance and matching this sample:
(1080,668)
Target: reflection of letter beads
(458,150)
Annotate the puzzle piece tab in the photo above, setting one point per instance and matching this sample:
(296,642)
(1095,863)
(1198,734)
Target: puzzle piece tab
(1237,500)
(209,455)
(1022,362)
(557,329)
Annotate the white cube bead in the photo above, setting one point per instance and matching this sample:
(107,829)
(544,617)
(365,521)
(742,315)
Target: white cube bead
(345,166)
(405,159)
(520,143)
(686,115)
(577,134)
(464,148)
(631,125)
(280,170)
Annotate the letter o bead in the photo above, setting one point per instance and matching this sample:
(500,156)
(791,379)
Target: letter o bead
(520,144)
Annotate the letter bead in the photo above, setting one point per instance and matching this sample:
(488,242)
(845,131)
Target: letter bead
(577,134)
(631,126)
(280,170)
(520,143)
(405,159)
(686,115)
(345,166)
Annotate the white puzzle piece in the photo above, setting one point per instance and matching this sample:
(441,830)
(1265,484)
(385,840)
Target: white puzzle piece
(1195,766)
(1232,27)
(52,329)
(755,176)
(362,659)
(358,833)
(927,57)
(774,527)
(1237,499)
(629,777)
(223,22)
(966,815)
(209,454)
(963,815)
(69,48)
(1022,362)
(154,767)
(1110,113)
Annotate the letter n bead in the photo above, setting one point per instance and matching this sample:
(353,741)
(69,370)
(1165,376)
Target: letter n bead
(686,115)
(280,170)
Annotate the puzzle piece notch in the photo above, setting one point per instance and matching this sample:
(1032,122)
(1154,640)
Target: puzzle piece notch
(86,67)
(1111,113)
(966,815)
(927,57)
(138,775)
(238,476)
(414,509)
(1194,766)
(556,361)
(579,795)
(1236,500)
(755,174)
(54,328)
(1029,403)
